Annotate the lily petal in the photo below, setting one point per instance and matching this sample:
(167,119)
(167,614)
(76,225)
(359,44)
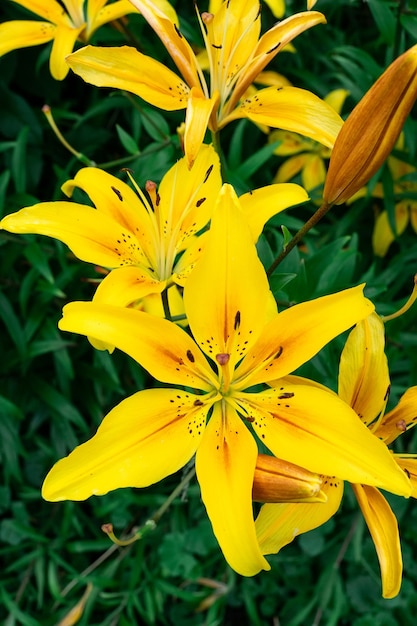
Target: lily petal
(408,463)
(142,440)
(199,110)
(49,10)
(383,237)
(383,527)
(168,32)
(163,348)
(229,312)
(126,68)
(92,236)
(297,424)
(363,372)
(291,167)
(22,34)
(225,464)
(278,524)
(272,42)
(295,335)
(314,172)
(96,16)
(261,204)
(292,109)
(63,44)
(125,285)
(401,418)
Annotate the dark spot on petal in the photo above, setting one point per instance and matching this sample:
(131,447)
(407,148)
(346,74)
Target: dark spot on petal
(118,193)
(200,202)
(286,395)
(208,173)
(237,320)
(190,355)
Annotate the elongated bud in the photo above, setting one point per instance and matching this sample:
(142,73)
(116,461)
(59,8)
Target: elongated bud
(371,130)
(278,481)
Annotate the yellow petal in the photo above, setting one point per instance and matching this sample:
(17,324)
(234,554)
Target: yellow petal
(382,237)
(363,372)
(290,168)
(226,296)
(313,173)
(199,110)
(92,236)
(336,99)
(188,259)
(408,463)
(142,440)
(115,199)
(401,418)
(292,109)
(124,285)
(278,524)
(126,68)
(272,42)
(383,527)
(277,7)
(164,349)
(225,464)
(294,336)
(315,429)
(290,143)
(49,10)
(98,15)
(168,32)
(261,204)
(63,44)
(22,34)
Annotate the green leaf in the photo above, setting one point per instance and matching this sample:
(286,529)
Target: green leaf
(127,141)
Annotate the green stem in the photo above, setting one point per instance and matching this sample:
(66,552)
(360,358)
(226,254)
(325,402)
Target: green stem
(299,235)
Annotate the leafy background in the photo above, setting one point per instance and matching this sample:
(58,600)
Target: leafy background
(54,389)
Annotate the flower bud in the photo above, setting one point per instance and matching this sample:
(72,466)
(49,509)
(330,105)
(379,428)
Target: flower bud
(279,481)
(372,129)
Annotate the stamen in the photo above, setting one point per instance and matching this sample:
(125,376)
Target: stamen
(407,305)
(222,358)
(46,110)
(108,529)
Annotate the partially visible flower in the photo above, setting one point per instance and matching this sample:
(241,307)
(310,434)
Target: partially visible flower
(150,243)
(364,385)
(236,55)
(305,155)
(63,25)
(372,129)
(238,341)
(277,6)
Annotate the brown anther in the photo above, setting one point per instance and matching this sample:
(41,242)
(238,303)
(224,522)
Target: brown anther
(222,358)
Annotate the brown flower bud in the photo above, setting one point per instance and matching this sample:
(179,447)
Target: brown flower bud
(279,481)
(371,130)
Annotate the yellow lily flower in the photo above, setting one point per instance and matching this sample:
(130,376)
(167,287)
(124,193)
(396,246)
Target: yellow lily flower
(236,54)
(364,385)
(237,342)
(64,25)
(306,156)
(149,244)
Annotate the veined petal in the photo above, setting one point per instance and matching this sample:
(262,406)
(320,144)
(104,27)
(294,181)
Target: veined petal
(336,99)
(382,237)
(187,197)
(225,464)
(22,34)
(277,7)
(408,463)
(401,418)
(49,10)
(199,110)
(124,285)
(188,259)
(261,204)
(226,296)
(317,430)
(125,68)
(92,236)
(142,440)
(63,44)
(290,168)
(363,371)
(295,335)
(161,347)
(314,172)
(292,109)
(383,527)
(272,42)
(290,143)
(278,524)
(115,199)
(167,30)
(97,16)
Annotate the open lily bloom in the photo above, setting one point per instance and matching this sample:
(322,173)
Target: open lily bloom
(364,385)
(236,53)
(150,244)
(64,25)
(306,157)
(238,341)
